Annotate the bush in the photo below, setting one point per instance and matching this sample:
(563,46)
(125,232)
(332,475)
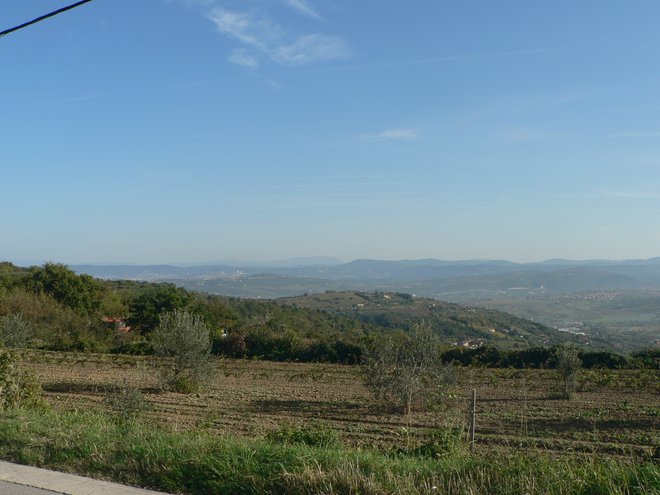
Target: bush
(440,442)
(648,358)
(314,434)
(127,402)
(18,388)
(15,331)
(604,359)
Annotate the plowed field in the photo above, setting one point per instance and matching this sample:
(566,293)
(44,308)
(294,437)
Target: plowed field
(614,413)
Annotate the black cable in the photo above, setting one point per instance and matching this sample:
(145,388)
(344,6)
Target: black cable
(39,19)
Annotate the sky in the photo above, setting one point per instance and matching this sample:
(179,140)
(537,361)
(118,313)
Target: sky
(192,131)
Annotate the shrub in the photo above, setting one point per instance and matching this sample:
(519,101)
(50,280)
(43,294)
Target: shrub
(440,442)
(15,331)
(313,434)
(127,402)
(18,388)
(648,358)
(604,359)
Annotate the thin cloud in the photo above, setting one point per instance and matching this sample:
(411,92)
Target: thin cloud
(309,48)
(244,27)
(263,35)
(242,57)
(530,136)
(303,7)
(396,134)
(634,134)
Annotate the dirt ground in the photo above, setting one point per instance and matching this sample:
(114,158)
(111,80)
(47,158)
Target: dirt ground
(614,413)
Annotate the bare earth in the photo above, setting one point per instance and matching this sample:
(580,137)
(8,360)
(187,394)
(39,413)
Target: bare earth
(614,413)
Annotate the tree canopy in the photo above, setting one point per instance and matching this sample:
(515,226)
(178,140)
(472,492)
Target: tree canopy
(81,293)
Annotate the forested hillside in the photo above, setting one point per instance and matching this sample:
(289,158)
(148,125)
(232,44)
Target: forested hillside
(452,322)
(51,307)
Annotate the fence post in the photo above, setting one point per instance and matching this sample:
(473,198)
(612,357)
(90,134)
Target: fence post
(473,419)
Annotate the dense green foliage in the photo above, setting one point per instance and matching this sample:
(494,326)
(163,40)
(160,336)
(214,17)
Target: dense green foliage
(74,312)
(546,357)
(64,311)
(81,293)
(146,308)
(451,322)
(199,462)
(18,388)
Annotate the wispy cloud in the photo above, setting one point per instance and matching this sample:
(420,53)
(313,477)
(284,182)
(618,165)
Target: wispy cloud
(309,48)
(303,7)
(531,136)
(634,134)
(261,35)
(397,134)
(240,56)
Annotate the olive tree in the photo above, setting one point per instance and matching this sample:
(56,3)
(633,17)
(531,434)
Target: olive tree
(407,371)
(185,339)
(15,331)
(568,367)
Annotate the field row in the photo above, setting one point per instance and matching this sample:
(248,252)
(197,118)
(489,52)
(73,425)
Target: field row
(613,413)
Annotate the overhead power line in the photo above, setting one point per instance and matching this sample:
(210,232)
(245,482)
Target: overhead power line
(43,17)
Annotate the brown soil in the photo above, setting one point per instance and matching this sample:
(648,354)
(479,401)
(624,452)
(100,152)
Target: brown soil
(613,413)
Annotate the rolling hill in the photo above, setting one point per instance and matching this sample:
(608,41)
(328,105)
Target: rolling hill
(454,323)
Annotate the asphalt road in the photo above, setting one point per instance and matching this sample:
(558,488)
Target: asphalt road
(25,480)
(7,488)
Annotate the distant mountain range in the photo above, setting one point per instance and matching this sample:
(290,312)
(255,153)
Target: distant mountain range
(454,280)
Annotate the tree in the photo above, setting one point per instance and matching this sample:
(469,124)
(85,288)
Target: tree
(147,308)
(409,370)
(81,293)
(186,340)
(568,366)
(14,330)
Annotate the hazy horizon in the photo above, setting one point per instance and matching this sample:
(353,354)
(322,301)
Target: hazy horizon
(311,260)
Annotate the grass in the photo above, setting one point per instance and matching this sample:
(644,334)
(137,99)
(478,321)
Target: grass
(198,461)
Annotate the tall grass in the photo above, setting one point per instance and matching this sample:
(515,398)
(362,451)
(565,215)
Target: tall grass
(199,462)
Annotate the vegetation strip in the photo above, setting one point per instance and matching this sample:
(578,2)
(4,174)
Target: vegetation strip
(52,308)
(197,462)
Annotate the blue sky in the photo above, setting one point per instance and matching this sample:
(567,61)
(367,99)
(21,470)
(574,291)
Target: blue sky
(150,131)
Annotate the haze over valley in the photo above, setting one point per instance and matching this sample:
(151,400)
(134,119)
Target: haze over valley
(616,302)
